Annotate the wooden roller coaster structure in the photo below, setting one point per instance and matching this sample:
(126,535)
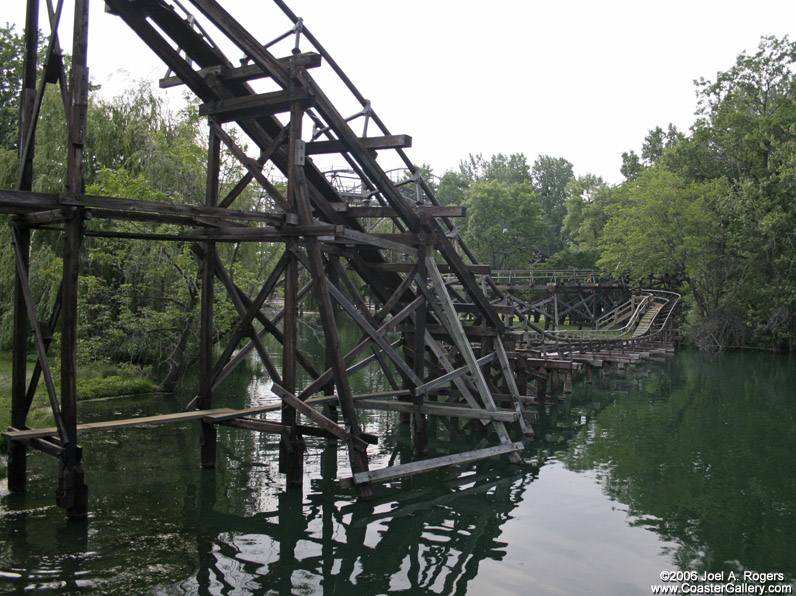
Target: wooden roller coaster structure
(462,352)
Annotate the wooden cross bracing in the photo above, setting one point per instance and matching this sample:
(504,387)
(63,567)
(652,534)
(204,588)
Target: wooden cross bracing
(325,239)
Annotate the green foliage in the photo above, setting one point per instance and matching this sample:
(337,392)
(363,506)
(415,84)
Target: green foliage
(662,226)
(511,169)
(504,224)
(588,198)
(713,212)
(11,47)
(112,386)
(656,145)
(550,177)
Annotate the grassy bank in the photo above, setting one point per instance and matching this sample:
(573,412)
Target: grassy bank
(94,380)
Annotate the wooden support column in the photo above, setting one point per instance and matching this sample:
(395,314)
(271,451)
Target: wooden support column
(357,455)
(291,447)
(419,421)
(541,384)
(555,307)
(568,381)
(17,452)
(72,493)
(208,431)
(589,373)
(554,382)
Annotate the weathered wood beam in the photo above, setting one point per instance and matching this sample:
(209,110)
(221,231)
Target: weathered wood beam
(370,143)
(277,428)
(433,409)
(400,363)
(16,435)
(253,166)
(511,383)
(359,302)
(265,155)
(407,267)
(428,386)
(208,274)
(465,349)
(403,470)
(387,326)
(346,234)
(245,73)
(17,201)
(251,106)
(422,210)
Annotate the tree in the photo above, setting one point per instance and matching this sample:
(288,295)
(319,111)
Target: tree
(511,169)
(666,228)
(655,145)
(588,198)
(12,48)
(550,176)
(504,225)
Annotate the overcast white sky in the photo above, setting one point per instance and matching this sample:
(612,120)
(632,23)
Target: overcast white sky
(583,80)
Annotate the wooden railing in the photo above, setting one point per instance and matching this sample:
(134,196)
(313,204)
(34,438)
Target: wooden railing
(526,277)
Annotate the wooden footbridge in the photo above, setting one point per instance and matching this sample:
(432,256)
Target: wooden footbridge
(470,344)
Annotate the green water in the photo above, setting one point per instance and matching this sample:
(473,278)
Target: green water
(685,462)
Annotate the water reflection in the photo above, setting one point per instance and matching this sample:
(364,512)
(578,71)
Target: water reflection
(429,539)
(702,449)
(696,455)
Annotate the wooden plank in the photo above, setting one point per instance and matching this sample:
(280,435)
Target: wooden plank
(277,428)
(252,106)
(45,217)
(121,204)
(371,143)
(425,465)
(452,375)
(114,424)
(432,409)
(246,73)
(511,382)
(343,234)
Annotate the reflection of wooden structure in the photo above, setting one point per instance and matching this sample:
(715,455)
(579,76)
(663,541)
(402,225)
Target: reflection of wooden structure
(455,357)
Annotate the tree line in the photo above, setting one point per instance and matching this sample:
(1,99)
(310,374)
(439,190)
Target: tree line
(709,212)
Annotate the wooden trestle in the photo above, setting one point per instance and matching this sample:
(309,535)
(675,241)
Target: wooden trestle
(456,357)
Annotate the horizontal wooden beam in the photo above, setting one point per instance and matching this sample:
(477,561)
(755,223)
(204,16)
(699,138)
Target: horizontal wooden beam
(251,106)
(345,234)
(433,409)
(245,73)
(425,465)
(407,267)
(371,143)
(228,234)
(16,435)
(469,331)
(421,210)
(18,201)
(45,217)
